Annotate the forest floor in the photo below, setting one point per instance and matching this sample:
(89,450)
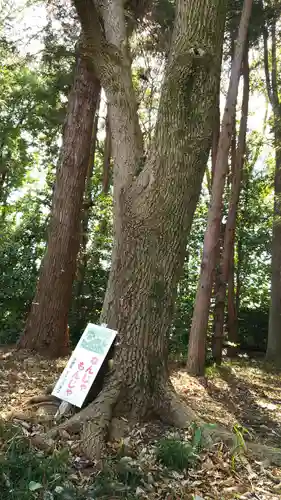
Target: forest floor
(146,463)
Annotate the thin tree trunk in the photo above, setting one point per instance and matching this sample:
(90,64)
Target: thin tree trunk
(231,308)
(216,130)
(238,277)
(197,338)
(232,319)
(222,230)
(229,238)
(47,321)
(215,143)
(273,352)
(217,273)
(153,210)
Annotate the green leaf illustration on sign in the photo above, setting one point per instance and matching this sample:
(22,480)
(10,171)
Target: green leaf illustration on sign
(95,340)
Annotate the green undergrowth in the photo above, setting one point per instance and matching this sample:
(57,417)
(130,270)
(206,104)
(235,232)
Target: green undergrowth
(175,454)
(180,455)
(29,474)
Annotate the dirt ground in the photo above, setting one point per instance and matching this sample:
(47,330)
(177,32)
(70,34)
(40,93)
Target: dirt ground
(241,392)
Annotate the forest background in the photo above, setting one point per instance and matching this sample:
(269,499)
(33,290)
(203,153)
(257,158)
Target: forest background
(38,50)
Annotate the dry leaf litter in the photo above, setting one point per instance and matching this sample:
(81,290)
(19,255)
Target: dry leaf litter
(242,392)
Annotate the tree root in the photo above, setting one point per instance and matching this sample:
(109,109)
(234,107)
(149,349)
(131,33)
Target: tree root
(265,453)
(43,398)
(94,423)
(173,411)
(96,429)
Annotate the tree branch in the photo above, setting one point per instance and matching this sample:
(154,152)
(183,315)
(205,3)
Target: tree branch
(90,22)
(105,39)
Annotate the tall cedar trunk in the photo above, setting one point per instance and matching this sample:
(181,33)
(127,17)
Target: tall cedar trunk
(47,321)
(238,277)
(215,138)
(216,128)
(197,338)
(87,204)
(215,143)
(232,310)
(217,278)
(273,352)
(231,306)
(219,249)
(229,237)
(153,209)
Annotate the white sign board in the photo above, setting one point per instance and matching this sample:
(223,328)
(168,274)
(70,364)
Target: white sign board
(84,364)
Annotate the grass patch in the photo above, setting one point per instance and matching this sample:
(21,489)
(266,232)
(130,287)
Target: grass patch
(29,474)
(175,454)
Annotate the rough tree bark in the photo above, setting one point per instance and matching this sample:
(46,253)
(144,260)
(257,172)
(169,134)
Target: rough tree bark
(273,352)
(229,236)
(47,321)
(154,201)
(197,338)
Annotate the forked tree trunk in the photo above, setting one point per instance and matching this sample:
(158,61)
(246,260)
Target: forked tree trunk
(229,237)
(273,352)
(47,321)
(153,210)
(198,332)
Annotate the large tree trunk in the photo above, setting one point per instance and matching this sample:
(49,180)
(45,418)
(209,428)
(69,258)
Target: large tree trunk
(229,237)
(197,338)
(273,352)
(153,210)
(47,321)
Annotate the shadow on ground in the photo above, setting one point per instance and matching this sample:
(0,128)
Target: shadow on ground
(253,395)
